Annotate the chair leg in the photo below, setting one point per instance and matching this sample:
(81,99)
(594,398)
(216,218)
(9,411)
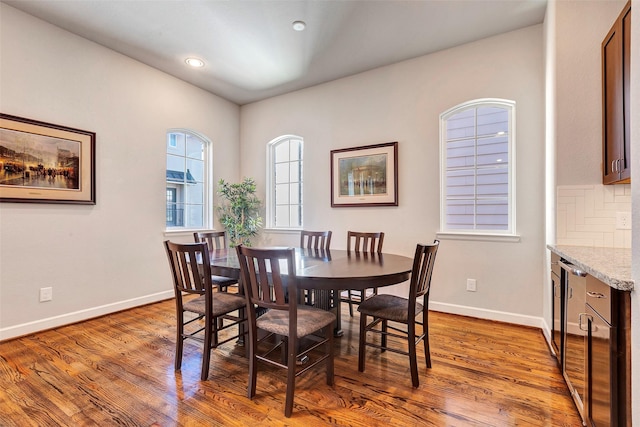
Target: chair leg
(328,330)
(179,342)
(350,296)
(383,339)
(362,341)
(425,327)
(209,330)
(413,360)
(253,364)
(291,377)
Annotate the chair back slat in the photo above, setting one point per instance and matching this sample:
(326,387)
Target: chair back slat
(190,266)
(364,242)
(423,263)
(266,285)
(319,240)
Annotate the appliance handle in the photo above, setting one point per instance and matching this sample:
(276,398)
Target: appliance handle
(572,268)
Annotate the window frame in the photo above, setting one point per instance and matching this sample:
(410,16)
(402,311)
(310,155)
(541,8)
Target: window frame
(271,184)
(510,233)
(207,195)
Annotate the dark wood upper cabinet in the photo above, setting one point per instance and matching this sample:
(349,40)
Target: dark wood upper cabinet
(616,74)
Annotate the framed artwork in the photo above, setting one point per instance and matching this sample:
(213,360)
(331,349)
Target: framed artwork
(365,176)
(46,163)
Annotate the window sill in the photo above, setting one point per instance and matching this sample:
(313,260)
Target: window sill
(283,230)
(482,237)
(183,231)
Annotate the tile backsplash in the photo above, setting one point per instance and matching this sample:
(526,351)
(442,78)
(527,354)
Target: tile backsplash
(586,215)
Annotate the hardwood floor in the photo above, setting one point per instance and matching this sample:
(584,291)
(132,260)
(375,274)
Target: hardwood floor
(118,370)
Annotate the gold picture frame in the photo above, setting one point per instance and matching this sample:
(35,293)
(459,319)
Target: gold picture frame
(46,163)
(365,176)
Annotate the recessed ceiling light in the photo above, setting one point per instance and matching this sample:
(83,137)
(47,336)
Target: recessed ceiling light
(194,62)
(299,25)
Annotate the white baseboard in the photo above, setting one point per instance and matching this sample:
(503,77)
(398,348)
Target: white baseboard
(482,313)
(78,316)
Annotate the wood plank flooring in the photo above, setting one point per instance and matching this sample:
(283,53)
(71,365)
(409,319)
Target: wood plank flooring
(117,370)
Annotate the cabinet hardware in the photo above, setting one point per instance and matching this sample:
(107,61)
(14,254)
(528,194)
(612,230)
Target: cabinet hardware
(584,327)
(596,294)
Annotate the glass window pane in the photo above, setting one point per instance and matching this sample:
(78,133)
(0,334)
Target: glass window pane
(175,163)
(175,215)
(176,139)
(282,216)
(294,149)
(195,148)
(294,172)
(194,216)
(282,152)
(295,217)
(282,172)
(195,170)
(195,193)
(282,194)
(294,194)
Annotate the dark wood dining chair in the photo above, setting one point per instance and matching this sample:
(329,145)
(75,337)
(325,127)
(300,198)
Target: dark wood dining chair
(269,282)
(216,240)
(196,301)
(362,242)
(319,242)
(390,308)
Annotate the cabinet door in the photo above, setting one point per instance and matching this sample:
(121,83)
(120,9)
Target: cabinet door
(557,304)
(625,160)
(613,104)
(601,410)
(615,100)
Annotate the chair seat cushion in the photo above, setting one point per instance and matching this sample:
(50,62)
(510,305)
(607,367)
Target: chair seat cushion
(223,303)
(389,307)
(223,281)
(310,319)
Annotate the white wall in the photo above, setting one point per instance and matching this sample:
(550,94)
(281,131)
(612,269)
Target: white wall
(402,102)
(109,256)
(581,27)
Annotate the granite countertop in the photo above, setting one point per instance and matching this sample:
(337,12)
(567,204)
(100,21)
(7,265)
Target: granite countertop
(610,265)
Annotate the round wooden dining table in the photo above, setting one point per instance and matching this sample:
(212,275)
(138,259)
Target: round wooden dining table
(331,270)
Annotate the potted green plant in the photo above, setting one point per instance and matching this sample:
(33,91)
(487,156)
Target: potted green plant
(239,211)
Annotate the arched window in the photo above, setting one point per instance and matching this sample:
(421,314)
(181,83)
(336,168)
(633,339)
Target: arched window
(477,190)
(187,180)
(284,182)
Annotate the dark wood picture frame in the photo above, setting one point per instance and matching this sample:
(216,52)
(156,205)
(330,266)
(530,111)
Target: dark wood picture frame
(46,163)
(365,176)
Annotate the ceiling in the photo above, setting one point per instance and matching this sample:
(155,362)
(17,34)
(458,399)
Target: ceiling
(250,49)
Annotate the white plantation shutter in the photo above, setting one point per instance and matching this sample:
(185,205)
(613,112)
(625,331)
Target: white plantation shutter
(477,168)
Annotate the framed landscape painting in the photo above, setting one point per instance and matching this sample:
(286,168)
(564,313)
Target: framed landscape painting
(365,176)
(45,163)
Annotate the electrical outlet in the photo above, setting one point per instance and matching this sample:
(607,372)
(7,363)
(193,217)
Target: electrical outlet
(471,285)
(46,294)
(623,220)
